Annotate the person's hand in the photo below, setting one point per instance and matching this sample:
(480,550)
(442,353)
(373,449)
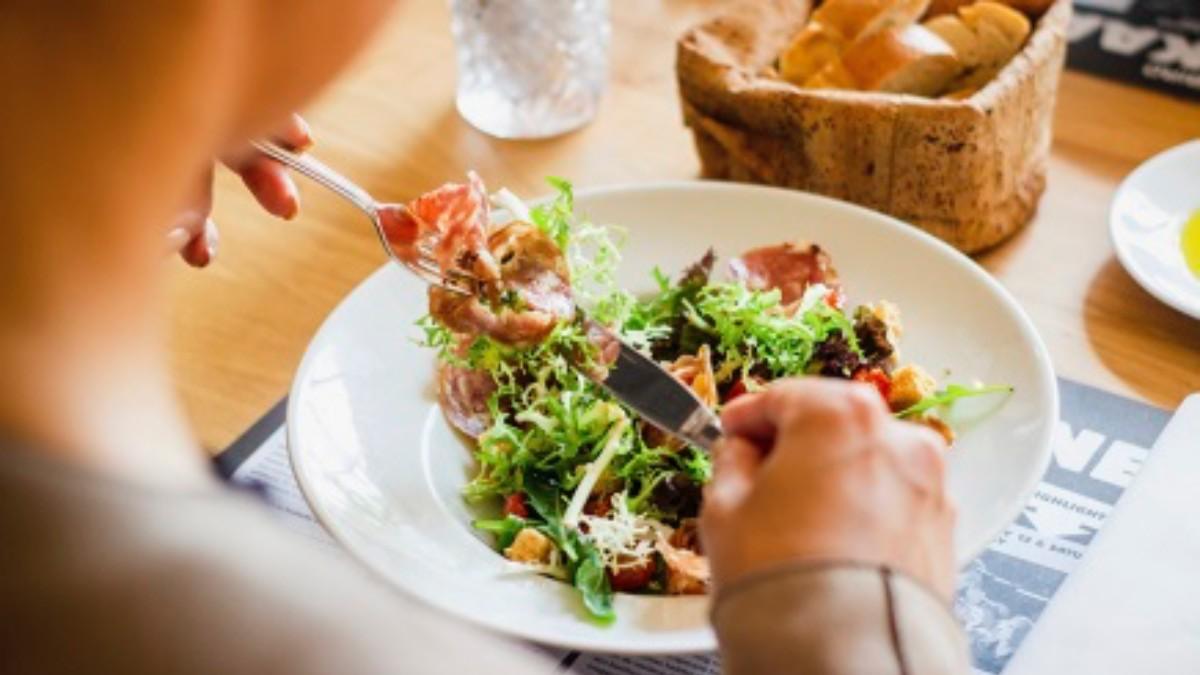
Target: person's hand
(194,234)
(818,470)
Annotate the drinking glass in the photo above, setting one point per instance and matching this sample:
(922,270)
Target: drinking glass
(530,68)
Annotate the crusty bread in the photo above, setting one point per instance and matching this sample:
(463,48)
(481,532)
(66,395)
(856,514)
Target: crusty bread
(814,47)
(1013,27)
(985,36)
(910,60)
(939,7)
(969,171)
(833,76)
(856,19)
(836,25)
(1031,8)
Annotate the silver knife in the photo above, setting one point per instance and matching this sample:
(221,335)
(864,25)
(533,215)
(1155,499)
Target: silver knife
(659,398)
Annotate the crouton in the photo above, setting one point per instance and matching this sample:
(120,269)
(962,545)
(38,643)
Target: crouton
(687,571)
(937,424)
(910,384)
(530,546)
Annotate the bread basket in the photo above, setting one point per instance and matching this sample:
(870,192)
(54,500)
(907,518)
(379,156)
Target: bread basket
(968,171)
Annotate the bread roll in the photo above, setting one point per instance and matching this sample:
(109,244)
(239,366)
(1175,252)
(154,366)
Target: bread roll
(909,60)
(1031,8)
(814,47)
(985,36)
(833,76)
(939,7)
(1011,24)
(837,24)
(859,19)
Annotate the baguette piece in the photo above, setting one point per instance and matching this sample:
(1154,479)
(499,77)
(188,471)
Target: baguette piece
(940,7)
(837,24)
(908,60)
(985,36)
(813,47)
(1031,8)
(857,19)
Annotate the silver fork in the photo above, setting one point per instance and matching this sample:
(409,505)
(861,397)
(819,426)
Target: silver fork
(425,267)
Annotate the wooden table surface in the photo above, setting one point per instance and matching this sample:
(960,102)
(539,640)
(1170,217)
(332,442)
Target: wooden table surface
(239,328)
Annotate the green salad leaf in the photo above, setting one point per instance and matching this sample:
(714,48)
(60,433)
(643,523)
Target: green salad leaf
(947,396)
(584,566)
(555,217)
(593,584)
(505,529)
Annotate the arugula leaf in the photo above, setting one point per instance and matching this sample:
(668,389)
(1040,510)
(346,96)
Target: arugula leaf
(505,529)
(584,565)
(592,581)
(949,395)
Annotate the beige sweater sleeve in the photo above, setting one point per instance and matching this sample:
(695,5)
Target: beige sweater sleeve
(823,619)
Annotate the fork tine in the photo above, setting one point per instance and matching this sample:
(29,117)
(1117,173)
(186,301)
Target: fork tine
(451,280)
(427,261)
(435,279)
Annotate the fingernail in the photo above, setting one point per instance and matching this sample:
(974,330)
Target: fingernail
(293,201)
(305,132)
(177,239)
(211,238)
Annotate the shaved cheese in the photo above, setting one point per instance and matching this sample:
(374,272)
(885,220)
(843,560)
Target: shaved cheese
(594,469)
(623,538)
(813,295)
(508,201)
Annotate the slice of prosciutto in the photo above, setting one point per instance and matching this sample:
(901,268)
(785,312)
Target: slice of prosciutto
(463,394)
(451,222)
(790,267)
(530,296)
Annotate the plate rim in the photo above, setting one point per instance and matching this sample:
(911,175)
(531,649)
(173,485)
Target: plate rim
(1123,256)
(697,641)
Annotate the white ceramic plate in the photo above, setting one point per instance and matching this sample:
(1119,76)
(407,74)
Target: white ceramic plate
(382,469)
(1146,222)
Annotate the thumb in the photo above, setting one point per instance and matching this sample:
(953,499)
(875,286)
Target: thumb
(735,463)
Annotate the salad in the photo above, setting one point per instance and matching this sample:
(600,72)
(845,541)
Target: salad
(583,490)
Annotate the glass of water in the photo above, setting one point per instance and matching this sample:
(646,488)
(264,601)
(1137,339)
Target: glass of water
(530,68)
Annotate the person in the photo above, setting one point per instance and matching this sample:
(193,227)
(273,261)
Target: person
(827,523)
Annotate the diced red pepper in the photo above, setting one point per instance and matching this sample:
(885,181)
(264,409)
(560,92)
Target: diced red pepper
(740,387)
(633,577)
(515,505)
(876,377)
(835,298)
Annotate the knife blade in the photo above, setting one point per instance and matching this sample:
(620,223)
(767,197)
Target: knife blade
(659,398)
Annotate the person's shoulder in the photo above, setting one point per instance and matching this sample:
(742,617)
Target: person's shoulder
(208,583)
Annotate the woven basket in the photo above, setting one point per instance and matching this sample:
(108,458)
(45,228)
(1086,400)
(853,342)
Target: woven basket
(970,172)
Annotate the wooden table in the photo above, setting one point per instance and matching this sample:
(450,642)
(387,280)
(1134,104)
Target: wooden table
(238,329)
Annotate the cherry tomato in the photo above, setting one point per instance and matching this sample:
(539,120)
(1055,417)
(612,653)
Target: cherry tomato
(598,505)
(514,505)
(633,577)
(876,377)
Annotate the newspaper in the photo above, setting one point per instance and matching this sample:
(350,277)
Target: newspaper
(1099,446)
(1150,43)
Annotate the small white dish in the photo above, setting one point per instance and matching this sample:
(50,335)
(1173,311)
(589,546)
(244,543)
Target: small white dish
(1146,222)
(383,470)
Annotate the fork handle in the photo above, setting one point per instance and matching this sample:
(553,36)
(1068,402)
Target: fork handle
(321,173)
